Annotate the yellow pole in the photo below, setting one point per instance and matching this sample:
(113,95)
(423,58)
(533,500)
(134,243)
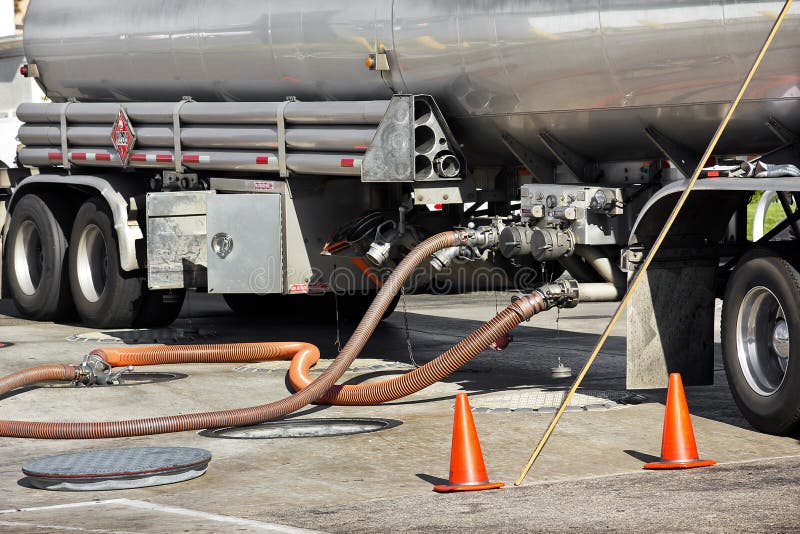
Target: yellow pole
(658,242)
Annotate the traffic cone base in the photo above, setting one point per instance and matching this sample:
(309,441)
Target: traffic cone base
(678,447)
(467,470)
(447,488)
(680,465)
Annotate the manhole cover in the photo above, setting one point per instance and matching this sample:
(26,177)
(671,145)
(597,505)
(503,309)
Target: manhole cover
(114,469)
(304,428)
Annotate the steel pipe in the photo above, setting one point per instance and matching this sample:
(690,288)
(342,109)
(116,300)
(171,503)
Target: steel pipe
(325,164)
(320,139)
(599,292)
(369,112)
(580,270)
(602,264)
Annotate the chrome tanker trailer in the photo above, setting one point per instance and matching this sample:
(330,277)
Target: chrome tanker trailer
(264,149)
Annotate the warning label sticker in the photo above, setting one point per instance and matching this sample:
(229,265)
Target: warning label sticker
(309,288)
(264,186)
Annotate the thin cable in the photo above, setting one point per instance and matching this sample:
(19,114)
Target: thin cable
(409,344)
(658,242)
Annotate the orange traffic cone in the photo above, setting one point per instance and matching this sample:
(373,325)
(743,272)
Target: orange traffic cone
(467,470)
(678,448)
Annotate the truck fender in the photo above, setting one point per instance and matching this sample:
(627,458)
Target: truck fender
(707,213)
(672,327)
(128,230)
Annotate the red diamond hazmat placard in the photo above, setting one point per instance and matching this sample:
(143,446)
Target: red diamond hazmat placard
(123,136)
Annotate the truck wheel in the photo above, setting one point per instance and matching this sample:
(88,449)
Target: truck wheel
(35,257)
(160,308)
(761,341)
(104,295)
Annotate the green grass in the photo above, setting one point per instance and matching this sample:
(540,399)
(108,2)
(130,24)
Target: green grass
(774,215)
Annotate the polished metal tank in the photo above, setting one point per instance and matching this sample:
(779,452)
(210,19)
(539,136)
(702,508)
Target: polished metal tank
(592,73)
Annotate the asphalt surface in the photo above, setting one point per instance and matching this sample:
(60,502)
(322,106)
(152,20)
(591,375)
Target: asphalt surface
(759,496)
(588,478)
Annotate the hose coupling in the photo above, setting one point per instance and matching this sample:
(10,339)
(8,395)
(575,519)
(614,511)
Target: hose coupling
(561,293)
(380,249)
(95,371)
(443,258)
(484,237)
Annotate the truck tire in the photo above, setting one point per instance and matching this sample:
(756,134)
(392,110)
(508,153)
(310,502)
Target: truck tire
(760,315)
(35,259)
(104,295)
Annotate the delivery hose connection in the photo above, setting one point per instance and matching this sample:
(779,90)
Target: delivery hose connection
(478,240)
(560,294)
(95,371)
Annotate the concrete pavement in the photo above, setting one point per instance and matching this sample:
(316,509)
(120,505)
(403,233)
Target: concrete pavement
(382,481)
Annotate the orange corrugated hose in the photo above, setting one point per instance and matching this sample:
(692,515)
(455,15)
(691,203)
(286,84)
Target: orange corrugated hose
(303,356)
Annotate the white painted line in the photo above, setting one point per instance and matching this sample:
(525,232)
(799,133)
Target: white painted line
(50,528)
(271,527)
(58,506)
(215,517)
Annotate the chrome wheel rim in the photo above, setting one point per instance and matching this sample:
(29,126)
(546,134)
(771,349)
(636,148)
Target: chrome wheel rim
(28,258)
(762,341)
(91,266)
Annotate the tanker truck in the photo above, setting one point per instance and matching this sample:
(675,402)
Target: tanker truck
(270,150)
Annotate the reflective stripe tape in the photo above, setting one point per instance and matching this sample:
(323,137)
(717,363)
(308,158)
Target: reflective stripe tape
(196,158)
(54,155)
(351,162)
(262,160)
(152,158)
(89,156)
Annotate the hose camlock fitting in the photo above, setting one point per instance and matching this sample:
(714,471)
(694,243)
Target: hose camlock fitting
(95,371)
(561,293)
(472,243)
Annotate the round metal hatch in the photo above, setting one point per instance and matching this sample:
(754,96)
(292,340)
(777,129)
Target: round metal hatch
(114,469)
(304,428)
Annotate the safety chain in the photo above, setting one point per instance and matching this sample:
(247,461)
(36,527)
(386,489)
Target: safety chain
(409,345)
(338,340)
